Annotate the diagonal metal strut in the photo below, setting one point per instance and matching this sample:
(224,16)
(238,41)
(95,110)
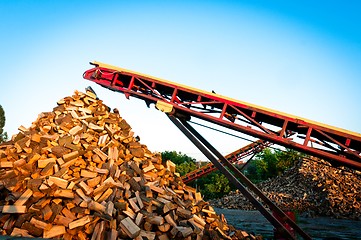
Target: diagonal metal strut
(210,152)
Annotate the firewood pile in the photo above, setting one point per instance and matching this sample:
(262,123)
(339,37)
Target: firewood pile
(311,187)
(79,172)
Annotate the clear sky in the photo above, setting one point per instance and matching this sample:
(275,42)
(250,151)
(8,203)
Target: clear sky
(299,57)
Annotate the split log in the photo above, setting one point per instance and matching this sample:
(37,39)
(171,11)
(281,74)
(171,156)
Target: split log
(54,231)
(128,226)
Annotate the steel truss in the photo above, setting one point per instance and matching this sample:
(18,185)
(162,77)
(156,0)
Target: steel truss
(339,146)
(235,158)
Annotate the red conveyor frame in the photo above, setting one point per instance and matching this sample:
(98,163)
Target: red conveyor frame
(340,146)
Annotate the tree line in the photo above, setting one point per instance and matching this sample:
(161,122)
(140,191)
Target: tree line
(267,164)
(3,134)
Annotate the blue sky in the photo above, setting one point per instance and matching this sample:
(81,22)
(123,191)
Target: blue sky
(299,57)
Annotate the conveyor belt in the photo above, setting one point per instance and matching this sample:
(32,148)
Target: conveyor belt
(234,157)
(338,145)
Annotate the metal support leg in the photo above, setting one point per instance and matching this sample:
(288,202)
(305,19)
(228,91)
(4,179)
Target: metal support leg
(247,182)
(207,149)
(232,178)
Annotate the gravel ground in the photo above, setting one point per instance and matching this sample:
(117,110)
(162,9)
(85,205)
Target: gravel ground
(317,228)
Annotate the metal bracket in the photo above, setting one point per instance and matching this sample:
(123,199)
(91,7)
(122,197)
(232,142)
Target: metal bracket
(164,107)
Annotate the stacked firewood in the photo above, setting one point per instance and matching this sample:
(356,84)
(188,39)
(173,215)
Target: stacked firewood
(79,172)
(312,187)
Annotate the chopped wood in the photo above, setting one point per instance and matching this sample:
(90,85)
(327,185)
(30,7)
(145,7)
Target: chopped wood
(82,195)
(96,127)
(139,218)
(105,195)
(99,170)
(139,199)
(199,220)
(164,227)
(312,187)
(40,224)
(149,168)
(80,222)
(88,174)
(6,164)
(61,220)
(164,236)
(135,167)
(62,183)
(42,163)
(184,213)
(99,190)
(24,197)
(113,234)
(20,233)
(196,226)
(54,231)
(209,212)
(101,154)
(64,193)
(130,213)
(148,192)
(67,213)
(69,156)
(129,227)
(198,196)
(169,219)
(75,130)
(92,95)
(186,231)
(147,235)
(133,204)
(47,212)
(78,172)
(87,190)
(92,205)
(71,185)
(109,208)
(134,184)
(157,220)
(113,153)
(13,209)
(170,166)
(157,189)
(93,182)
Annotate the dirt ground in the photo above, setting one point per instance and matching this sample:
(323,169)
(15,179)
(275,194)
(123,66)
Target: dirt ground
(317,228)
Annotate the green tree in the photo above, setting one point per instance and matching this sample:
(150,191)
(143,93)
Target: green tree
(186,167)
(251,171)
(213,185)
(218,187)
(3,135)
(287,159)
(271,163)
(184,163)
(176,157)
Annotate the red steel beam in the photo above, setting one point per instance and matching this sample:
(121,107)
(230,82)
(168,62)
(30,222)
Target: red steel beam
(338,145)
(233,157)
